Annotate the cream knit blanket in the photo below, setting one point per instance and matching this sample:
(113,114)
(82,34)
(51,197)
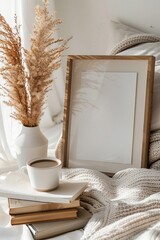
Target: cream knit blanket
(123,206)
(154,150)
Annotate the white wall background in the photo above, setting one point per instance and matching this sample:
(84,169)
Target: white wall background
(87,21)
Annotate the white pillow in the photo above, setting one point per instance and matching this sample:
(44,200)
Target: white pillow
(148,48)
(138,40)
(118,32)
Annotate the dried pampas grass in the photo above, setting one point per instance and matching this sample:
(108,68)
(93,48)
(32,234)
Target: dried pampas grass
(27,73)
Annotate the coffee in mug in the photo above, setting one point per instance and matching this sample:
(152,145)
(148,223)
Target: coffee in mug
(44,163)
(44,173)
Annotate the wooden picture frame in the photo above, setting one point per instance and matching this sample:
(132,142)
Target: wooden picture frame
(107,112)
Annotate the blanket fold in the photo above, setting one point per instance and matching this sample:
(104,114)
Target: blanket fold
(122,206)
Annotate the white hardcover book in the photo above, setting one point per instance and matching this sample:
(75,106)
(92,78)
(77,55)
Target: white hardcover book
(16,185)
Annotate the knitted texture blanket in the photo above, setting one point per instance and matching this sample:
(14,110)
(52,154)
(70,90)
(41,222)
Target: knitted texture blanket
(123,206)
(154,150)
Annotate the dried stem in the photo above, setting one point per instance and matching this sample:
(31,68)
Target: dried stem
(27,80)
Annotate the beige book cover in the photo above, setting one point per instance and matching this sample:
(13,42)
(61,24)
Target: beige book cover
(18,206)
(27,218)
(50,229)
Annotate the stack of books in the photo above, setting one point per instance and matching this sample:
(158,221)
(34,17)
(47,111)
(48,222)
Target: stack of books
(24,212)
(48,219)
(46,214)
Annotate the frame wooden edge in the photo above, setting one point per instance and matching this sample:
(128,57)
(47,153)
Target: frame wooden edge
(66,113)
(148,110)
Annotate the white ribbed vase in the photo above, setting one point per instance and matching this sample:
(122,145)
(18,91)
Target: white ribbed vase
(29,144)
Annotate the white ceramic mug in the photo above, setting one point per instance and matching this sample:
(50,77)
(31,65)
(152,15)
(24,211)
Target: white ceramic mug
(44,173)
